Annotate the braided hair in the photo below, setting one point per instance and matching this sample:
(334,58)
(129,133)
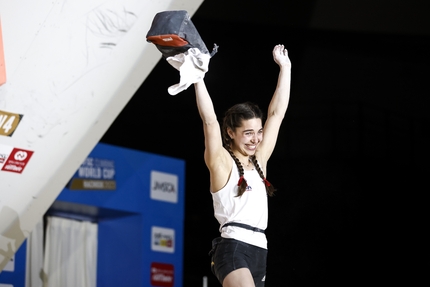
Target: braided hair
(233,119)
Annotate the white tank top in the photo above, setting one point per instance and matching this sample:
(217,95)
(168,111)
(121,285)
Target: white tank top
(250,208)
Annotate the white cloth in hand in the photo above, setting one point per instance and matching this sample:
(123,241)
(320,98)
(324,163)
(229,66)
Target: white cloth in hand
(192,66)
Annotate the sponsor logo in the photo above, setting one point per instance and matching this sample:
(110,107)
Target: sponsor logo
(163,239)
(16,161)
(162,274)
(164,186)
(20,155)
(8,123)
(94,174)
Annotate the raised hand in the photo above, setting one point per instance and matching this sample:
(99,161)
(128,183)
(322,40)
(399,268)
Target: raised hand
(280,55)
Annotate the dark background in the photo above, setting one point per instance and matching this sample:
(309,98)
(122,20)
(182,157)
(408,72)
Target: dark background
(351,162)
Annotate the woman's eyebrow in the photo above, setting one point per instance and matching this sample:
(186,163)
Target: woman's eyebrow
(251,130)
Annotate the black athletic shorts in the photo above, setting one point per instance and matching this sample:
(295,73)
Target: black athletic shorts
(229,254)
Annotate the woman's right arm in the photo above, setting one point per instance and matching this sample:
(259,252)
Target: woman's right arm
(216,157)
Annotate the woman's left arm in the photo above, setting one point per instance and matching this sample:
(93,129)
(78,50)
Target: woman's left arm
(278,105)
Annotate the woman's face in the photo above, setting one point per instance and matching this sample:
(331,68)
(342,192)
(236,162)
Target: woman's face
(247,137)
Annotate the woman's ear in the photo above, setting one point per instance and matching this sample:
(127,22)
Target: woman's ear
(230,133)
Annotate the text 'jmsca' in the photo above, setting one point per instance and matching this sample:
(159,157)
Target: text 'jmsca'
(164,186)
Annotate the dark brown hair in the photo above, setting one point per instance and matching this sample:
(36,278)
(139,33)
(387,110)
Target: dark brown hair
(233,119)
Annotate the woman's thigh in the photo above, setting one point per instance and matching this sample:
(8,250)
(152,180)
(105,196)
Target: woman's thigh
(241,277)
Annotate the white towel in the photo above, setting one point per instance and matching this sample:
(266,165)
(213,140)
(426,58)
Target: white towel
(192,66)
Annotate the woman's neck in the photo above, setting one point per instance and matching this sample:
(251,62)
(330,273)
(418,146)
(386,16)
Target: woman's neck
(246,162)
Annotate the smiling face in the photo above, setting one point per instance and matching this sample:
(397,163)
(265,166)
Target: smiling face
(247,137)
(242,130)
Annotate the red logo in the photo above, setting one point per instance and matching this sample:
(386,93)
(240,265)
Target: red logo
(162,274)
(17,160)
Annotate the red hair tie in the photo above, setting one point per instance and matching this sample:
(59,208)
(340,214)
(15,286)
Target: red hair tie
(266,182)
(240,180)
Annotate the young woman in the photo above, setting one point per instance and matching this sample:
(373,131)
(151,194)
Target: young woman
(236,156)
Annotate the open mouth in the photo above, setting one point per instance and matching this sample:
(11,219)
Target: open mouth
(251,147)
